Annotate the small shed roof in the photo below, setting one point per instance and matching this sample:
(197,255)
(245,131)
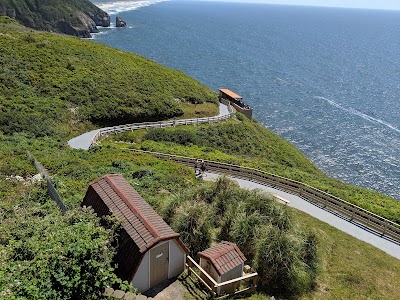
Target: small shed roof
(140,221)
(224,256)
(231,94)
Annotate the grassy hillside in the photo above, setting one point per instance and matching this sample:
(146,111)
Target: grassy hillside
(348,268)
(50,85)
(243,142)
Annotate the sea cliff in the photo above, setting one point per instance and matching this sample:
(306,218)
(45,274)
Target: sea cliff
(72,17)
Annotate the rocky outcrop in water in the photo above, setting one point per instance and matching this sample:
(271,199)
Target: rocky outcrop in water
(120,23)
(73,17)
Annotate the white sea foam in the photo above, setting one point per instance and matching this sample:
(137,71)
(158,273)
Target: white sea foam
(360,114)
(114,7)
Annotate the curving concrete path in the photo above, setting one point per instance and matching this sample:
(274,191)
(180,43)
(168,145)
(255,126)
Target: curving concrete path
(84,141)
(352,228)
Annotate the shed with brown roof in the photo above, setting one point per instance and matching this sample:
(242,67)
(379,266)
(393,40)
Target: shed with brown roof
(236,101)
(223,262)
(149,251)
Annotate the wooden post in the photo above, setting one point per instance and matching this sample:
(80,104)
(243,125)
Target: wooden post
(255,281)
(214,290)
(190,265)
(234,286)
(384,227)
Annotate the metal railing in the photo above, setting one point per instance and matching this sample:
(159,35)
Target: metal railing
(50,187)
(346,209)
(162,124)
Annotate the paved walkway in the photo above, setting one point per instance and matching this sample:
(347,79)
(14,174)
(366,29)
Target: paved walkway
(223,110)
(171,289)
(85,140)
(354,229)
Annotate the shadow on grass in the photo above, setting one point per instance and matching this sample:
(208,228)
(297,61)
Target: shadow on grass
(195,290)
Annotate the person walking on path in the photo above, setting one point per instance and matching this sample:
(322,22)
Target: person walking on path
(203,167)
(197,169)
(197,164)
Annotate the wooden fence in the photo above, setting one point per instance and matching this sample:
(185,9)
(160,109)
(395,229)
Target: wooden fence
(162,124)
(50,187)
(346,209)
(238,283)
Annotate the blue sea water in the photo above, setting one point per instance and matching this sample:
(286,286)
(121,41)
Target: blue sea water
(326,79)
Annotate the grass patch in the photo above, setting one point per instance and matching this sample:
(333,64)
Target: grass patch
(191,111)
(351,269)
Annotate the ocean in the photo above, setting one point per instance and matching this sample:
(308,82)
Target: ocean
(325,79)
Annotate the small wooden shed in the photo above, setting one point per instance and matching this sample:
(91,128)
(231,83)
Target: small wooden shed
(223,262)
(149,251)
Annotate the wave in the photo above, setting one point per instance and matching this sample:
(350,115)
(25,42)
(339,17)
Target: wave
(114,7)
(359,113)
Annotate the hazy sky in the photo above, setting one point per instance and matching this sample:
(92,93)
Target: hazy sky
(375,4)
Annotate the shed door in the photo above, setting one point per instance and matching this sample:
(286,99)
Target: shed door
(159,258)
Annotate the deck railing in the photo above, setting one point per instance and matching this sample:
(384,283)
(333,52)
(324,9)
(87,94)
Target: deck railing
(350,211)
(245,283)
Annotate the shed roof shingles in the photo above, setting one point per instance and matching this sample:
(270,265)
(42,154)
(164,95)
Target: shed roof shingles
(231,94)
(224,256)
(138,218)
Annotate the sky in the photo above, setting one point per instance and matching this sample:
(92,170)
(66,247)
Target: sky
(371,4)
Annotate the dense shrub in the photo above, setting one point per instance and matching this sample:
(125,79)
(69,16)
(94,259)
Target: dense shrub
(46,255)
(245,231)
(280,263)
(285,258)
(193,221)
(49,84)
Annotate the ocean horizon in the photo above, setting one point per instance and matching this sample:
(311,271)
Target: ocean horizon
(325,79)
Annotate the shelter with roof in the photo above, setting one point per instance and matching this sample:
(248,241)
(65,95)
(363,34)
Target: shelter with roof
(223,262)
(149,251)
(236,101)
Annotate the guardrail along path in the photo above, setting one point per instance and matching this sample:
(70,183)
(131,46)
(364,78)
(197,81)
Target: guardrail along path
(341,207)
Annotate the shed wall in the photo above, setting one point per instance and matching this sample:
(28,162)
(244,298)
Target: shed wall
(94,200)
(209,268)
(128,256)
(177,258)
(141,280)
(232,274)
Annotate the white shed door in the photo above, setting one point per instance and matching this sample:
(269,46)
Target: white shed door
(159,258)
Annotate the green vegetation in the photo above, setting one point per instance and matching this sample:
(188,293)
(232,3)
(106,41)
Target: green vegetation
(346,263)
(46,255)
(248,143)
(284,257)
(348,268)
(54,86)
